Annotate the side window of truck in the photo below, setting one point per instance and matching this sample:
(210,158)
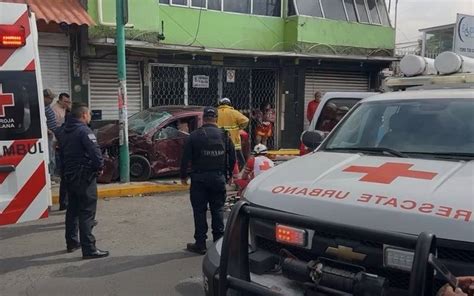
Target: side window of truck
(333,111)
(19,106)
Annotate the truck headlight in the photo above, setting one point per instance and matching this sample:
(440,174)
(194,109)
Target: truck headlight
(398,258)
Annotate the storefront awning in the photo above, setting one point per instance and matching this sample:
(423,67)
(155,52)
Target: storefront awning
(70,12)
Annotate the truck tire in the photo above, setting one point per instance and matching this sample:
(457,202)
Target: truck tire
(140,168)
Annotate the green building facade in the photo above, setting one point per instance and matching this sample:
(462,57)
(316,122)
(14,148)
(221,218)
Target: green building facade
(252,51)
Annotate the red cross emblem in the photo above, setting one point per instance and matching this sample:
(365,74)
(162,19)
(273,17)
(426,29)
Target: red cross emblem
(389,172)
(265,166)
(6,100)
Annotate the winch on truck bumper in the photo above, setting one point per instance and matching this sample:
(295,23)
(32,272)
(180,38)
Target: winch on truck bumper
(229,259)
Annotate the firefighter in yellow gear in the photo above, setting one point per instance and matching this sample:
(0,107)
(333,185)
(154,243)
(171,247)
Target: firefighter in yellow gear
(232,121)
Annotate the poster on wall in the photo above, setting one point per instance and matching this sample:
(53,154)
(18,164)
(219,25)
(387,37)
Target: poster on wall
(200,81)
(464,36)
(230,77)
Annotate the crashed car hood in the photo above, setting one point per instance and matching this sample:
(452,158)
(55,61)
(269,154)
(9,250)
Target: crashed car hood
(392,194)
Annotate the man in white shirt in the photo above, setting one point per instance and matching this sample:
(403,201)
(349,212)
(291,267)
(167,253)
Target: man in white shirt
(59,108)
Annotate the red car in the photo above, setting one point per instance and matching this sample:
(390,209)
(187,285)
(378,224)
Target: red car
(156,140)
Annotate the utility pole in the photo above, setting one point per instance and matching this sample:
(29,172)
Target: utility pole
(124,158)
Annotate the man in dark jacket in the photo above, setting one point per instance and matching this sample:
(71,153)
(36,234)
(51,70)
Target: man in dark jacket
(212,156)
(81,163)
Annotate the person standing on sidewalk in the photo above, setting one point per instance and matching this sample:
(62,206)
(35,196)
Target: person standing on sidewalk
(212,156)
(232,121)
(51,123)
(313,106)
(82,162)
(61,109)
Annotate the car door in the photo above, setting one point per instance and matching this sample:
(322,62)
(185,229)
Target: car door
(168,145)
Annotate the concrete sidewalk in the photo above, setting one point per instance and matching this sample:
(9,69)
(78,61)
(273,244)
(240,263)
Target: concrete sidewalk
(131,189)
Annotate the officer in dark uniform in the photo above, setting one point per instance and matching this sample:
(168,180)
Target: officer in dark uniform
(212,156)
(82,162)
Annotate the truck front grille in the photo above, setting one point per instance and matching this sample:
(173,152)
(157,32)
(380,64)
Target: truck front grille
(397,279)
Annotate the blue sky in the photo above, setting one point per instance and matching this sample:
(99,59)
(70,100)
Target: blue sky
(417,14)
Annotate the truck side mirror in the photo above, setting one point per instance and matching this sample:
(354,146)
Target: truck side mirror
(312,139)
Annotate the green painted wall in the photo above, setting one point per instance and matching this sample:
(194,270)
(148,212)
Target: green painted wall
(219,30)
(240,31)
(339,33)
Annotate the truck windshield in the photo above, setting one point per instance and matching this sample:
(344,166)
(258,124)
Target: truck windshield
(441,128)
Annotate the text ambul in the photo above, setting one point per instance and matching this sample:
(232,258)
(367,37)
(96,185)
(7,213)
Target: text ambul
(23,149)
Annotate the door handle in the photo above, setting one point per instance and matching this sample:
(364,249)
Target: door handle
(7,168)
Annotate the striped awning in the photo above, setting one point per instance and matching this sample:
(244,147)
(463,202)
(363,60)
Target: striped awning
(70,12)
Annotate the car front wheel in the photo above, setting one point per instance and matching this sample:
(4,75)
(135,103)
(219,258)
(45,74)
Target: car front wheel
(140,168)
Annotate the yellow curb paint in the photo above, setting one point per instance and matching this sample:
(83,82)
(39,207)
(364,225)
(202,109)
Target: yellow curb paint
(132,191)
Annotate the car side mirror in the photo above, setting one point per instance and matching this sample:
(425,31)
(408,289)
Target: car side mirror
(312,139)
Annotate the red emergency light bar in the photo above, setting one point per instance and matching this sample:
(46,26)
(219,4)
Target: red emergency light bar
(12,36)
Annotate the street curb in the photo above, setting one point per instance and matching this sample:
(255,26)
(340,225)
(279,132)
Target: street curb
(132,190)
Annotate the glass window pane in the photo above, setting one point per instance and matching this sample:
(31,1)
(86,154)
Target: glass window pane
(180,2)
(291,7)
(267,7)
(363,17)
(309,7)
(214,4)
(350,8)
(165,1)
(333,9)
(242,6)
(383,12)
(198,3)
(374,15)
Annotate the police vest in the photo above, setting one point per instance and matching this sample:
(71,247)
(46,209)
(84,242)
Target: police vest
(213,152)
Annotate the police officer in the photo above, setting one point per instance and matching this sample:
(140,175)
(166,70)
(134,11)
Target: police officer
(82,162)
(212,156)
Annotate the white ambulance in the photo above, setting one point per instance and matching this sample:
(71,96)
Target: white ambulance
(24,183)
(386,199)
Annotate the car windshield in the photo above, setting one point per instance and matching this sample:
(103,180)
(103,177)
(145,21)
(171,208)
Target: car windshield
(146,120)
(440,128)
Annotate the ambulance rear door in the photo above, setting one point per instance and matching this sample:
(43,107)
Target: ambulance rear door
(24,182)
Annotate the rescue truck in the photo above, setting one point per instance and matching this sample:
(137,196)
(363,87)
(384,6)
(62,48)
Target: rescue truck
(384,205)
(24,183)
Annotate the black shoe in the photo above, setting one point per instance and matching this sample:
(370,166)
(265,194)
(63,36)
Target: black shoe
(73,248)
(97,254)
(198,249)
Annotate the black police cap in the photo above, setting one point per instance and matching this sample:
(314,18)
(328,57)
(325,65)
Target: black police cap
(210,112)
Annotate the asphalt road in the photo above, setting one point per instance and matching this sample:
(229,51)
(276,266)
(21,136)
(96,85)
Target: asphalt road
(146,237)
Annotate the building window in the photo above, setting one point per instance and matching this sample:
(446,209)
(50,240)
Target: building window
(309,8)
(165,1)
(334,9)
(198,3)
(362,11)
(374,14)
(241,6)
(214,4)
(291,8)
(351,11)
(180,2)
(383,12)
(267,7)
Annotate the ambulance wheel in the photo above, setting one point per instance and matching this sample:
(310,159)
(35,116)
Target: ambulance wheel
(140,168)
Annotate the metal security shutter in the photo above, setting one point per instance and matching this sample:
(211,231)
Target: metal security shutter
(55,69)
(327,81)
(103,87)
